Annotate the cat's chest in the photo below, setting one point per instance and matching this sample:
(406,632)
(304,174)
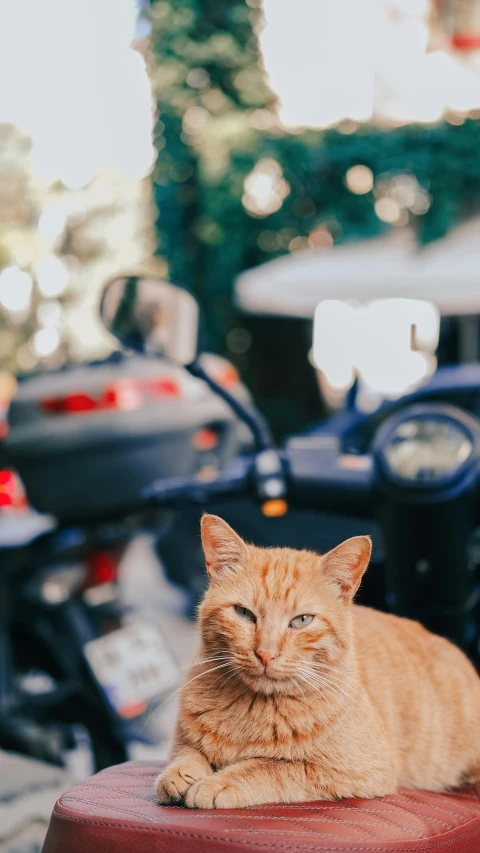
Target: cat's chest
(254,726)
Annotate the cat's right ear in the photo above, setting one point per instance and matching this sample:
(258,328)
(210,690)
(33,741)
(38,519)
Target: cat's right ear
(223,548)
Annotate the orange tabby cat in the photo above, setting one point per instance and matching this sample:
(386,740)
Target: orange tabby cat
(298,694)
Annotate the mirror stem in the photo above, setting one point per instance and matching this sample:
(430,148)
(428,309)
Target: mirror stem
(255,421)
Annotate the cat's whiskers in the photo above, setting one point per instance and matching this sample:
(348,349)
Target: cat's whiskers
(324,682)
(322,694)
(298,685)
(350,704)
(339,689)
(201,661)
(335,674)
(341,676)
(213,669)
(234,673)
(327,672)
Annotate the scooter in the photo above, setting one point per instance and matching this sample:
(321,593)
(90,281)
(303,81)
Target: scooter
(413,482)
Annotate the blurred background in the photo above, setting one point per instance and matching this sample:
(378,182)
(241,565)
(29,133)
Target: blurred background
(220,139)
(307,169)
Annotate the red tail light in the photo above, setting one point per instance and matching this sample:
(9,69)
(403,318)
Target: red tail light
(102,567)
(165,387)
(126,395)
(11,491)
(72,403)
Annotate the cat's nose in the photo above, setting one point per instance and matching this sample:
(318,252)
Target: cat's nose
(266,657)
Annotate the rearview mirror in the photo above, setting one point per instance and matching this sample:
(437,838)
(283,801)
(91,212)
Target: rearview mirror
(151,315)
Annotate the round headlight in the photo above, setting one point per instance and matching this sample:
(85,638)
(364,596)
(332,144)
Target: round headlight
(421,449)
(427,445)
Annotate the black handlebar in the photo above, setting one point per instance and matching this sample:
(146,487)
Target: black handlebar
(234,480)
(315,472)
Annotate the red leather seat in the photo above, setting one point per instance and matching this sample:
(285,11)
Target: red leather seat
(116,811)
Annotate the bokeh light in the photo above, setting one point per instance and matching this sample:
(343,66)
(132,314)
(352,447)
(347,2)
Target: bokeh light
(52,276)
(49,313)
(15,289)
(397,195)
(265,188)
(320,238)
(45,341)
(359,179)
(387,209)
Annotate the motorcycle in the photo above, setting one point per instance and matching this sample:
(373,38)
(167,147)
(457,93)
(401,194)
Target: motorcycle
(408,474)
(85,439)
(74,665)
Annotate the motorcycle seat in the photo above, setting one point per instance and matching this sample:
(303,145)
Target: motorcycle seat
(116,811)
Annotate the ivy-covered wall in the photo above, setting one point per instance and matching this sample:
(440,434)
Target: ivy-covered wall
(217,124)
(217,121)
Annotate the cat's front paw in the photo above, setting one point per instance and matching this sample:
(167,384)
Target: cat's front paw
(177,778)
(217,792)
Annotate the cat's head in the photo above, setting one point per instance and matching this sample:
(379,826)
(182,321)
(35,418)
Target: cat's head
(276,614)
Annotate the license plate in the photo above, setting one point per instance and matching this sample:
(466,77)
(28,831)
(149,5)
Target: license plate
(133,665)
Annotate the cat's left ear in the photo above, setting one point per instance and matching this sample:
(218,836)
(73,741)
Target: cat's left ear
(344,567)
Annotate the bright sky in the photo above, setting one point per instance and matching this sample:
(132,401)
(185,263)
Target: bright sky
(72,83)
(335,59)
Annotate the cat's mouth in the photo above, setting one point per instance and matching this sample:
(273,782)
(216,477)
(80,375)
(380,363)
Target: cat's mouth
(265,676)
(270,684)
(267,671)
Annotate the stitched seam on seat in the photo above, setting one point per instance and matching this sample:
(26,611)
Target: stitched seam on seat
(435,846)
(277,817)
(149,771)
(288,806)
(211,816)
(294,807)
(422,817)
(145,798)
(309,831)
(366,811)
(142,764)
(140,815)
(410,796)
(304,832)
(295,821)
(239,828)
(438,808)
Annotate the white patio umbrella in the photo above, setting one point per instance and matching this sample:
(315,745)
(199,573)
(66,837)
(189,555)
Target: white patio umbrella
(446,273)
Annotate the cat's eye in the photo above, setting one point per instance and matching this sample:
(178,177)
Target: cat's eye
(245,613)
(301,621)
